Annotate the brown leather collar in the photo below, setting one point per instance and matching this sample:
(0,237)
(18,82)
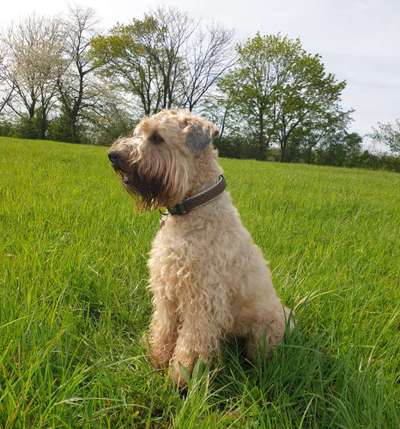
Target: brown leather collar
(198,200)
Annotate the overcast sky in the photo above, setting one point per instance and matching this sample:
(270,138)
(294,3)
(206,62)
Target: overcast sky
(359,40)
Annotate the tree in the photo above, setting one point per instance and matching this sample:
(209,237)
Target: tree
(342,149)
(321,127)
(207,58)
(125,58)
(165,60)
(110,118)
(279,88)
(218,108)
(73,81)
(6,88)
(173,31)
(388,134)
(33,55)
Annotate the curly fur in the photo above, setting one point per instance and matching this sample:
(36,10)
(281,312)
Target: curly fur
(208,279)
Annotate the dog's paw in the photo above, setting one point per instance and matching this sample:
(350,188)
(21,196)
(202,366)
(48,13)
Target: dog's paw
(179,374)
(159,358)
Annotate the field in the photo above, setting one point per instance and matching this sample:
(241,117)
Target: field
(74,304)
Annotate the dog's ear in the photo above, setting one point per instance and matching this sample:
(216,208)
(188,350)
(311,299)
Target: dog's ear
(199,134)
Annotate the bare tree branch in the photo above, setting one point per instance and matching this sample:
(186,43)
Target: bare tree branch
(207,58)
(73,82)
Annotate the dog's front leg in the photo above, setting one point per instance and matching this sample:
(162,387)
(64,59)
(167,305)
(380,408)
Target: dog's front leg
(198,338)
(163,333)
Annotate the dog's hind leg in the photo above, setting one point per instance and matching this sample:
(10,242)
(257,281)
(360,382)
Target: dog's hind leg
(267,332)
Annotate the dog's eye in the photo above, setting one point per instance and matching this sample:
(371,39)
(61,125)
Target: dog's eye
(155,138)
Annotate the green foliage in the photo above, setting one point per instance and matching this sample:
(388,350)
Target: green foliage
(63,128)
(237,146)
(279,88)
(60,128)
(341,152)
(7,128)
(379,161)
(28,128)
(74,304)
(130,54)
(104,131)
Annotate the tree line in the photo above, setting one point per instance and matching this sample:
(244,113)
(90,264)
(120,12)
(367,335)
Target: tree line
(62,79)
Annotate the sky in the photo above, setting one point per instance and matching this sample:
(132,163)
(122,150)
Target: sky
(358,39)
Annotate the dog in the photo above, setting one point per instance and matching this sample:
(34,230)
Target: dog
(208,279)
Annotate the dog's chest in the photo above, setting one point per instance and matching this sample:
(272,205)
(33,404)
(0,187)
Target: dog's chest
(198,256)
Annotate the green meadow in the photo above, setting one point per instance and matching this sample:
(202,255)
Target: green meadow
(74,304)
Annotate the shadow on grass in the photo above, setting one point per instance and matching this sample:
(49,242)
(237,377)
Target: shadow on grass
(302,385)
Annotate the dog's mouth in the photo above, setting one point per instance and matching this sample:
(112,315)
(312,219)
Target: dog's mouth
(127,178)
(148,189)
(118,168)
(124,177)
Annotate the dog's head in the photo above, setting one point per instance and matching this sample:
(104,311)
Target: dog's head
(157,162)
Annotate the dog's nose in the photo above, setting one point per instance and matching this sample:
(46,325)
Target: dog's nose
(114,156)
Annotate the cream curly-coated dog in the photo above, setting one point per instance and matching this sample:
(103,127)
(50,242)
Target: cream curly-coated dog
(208,278)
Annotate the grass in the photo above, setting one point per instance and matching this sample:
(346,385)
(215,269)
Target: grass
(74,304)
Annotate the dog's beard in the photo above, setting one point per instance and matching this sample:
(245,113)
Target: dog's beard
(148,191)
(158,182)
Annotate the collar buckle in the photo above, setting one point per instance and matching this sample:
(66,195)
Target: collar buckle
(178,209)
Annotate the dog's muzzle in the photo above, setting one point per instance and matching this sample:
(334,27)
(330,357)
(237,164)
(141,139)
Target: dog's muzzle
(116,159)
(113,156)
